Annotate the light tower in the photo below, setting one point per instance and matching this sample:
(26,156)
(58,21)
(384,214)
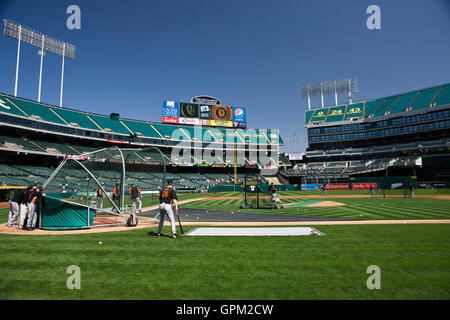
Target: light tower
(43,42)
(347,86)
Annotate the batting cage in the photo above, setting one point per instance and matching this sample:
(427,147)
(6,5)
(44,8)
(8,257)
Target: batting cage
(256,195)
(92,189)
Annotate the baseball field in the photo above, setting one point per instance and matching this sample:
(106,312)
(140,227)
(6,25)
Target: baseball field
(413,257)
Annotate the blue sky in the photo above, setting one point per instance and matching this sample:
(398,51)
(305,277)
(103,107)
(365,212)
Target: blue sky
(131,55)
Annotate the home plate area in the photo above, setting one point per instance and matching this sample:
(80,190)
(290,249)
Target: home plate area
(260,231)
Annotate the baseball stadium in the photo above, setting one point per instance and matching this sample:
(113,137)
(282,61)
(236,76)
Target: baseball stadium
(253,222)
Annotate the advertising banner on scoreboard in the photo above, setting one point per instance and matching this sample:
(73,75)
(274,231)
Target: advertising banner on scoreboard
(192,113)
(219,123)
(188,110)
(170,109)
(170,120)
(364,186)
(239,114)
(337,186)
(240,125)
(311,186)
(205,111)
(222,113)
(191,121)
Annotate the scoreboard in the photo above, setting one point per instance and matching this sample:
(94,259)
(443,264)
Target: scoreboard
(190,113)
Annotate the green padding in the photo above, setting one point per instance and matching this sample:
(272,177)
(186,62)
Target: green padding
(59,215)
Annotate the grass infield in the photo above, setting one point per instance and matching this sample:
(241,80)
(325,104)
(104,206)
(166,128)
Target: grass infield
(414,260)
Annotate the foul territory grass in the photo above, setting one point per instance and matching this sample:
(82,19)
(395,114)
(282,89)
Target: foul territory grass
(414,262)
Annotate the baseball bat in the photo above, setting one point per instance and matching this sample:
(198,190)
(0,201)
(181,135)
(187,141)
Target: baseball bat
(179,222)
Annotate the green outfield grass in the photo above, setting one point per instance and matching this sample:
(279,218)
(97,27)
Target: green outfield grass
(414,262)
(414,259)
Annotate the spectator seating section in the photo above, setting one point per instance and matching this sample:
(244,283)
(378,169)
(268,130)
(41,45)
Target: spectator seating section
(76,118)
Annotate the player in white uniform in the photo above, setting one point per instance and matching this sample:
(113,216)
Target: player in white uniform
(166,198)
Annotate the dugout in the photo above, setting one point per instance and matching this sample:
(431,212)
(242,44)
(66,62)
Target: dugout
(70,200)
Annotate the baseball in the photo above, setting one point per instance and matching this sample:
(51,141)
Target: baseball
(99,242)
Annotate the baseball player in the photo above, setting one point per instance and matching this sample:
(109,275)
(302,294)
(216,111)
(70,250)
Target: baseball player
(273,195)
(100,198)
(32,201)
(24,207)
(116,196)
(166,198)
(14,206)
(135,196)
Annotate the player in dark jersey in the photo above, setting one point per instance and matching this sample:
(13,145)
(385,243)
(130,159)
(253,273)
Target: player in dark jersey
(99,198)
(116,196)
(273,194)
(167,198)
(32,201)
(14,206)
(135,197)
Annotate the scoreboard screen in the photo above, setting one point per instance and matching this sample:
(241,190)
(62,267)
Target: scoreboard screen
(175,112)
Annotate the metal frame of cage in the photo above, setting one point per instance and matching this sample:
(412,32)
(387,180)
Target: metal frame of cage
(122,211)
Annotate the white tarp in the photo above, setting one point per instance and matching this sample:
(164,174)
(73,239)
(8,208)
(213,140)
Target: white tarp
(257,231)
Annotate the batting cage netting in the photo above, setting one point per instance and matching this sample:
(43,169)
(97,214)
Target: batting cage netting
(256,195)
(92,189)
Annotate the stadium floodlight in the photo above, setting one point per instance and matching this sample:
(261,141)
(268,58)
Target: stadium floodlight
(42,41)
(347,86)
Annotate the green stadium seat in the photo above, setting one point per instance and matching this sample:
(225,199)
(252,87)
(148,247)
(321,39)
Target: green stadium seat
(76,117)
(108,123)
(381,110)
(167,130)
(55,147)
(319,114)
(336,114)
(424,98)
(403,102)
(8,107)
(308,116)
(19,143)
(354,110)
(444,96)
(143,128)
(371,106)
(40,111)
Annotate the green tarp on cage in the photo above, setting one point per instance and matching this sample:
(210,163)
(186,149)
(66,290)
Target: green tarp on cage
(59,215)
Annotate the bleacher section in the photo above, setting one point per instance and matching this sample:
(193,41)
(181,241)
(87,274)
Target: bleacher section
(342,168)
(76,118)
(414,100)
(141,128)
(37,111)
(8,107)
(109,124)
